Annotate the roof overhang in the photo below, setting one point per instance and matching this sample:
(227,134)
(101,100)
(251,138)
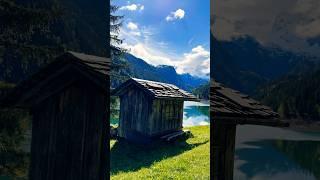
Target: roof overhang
(55,75)
(229,106)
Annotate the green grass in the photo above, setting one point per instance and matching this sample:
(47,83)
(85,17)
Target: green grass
(5,85)
(183,159)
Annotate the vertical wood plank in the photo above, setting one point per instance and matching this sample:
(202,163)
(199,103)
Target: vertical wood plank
(68,135)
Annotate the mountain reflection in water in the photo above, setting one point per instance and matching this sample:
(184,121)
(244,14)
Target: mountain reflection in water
(275,153)
(195,113)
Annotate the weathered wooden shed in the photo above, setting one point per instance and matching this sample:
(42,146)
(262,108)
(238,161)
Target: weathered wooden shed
(229,108)
(69,102)
(150,109)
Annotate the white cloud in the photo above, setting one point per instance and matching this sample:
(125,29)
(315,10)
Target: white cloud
(178,14)
(289,24)
(148,54)
(309,30)
(132,7)
(135,33)
(142,46)
(133,29)
(132,26)
(196,62)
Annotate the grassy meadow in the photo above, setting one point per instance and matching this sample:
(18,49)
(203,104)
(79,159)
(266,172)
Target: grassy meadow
(183,159)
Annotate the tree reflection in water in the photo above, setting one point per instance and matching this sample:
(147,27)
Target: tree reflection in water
(270,157)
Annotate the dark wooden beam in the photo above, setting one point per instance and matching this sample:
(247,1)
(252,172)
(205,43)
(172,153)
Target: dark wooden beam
(223,150)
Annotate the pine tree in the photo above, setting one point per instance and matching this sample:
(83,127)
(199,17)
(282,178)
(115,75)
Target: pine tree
(115,24)
(23,22)
(117,52)
(117,55)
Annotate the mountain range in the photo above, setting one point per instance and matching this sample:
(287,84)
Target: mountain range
(287,81)
(138,68)
(245,64)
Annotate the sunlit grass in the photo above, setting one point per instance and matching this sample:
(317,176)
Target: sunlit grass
(179,160)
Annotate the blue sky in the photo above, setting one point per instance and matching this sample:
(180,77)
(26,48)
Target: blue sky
(169,32)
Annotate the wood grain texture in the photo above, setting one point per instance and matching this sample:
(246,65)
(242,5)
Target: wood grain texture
(69,135)
(148,116)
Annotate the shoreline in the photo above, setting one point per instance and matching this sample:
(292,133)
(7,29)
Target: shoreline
(305,126)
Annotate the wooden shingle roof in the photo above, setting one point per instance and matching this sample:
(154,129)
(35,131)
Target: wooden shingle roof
(231,105)
(57,75)
(95,63)
(156,89)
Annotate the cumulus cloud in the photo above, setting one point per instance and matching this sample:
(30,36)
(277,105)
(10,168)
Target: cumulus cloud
(309,30)
(132,26)
(286,23)
(132,7)
(143,46)
(175,15)
(253,17)
(151,56)
(195,62)
(133,29)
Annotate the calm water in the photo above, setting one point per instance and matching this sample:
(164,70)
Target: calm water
(275,153)
(194,113)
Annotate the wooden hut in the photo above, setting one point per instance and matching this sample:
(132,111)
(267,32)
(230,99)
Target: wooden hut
(150,109)
(69,102)
(230,108)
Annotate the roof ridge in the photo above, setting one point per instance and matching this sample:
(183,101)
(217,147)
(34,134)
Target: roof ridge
(157,82)
(159,89)
(87,57)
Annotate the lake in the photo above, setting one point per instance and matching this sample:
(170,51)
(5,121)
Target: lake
(275,153)
(194,114)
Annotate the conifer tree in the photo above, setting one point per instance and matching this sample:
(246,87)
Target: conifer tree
(117,52)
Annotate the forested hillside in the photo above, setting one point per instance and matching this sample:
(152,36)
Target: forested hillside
(289,82)
(202,91)
(245,64)
(35,31)
(32,33)
(295,96)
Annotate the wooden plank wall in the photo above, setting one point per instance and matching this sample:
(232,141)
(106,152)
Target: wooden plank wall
(150,117)
(69,135)
(223,150)
(134,112)
(167,115)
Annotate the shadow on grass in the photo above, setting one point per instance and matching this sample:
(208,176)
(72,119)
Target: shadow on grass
(126,156)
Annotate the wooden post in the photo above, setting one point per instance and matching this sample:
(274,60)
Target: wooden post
(223,150)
